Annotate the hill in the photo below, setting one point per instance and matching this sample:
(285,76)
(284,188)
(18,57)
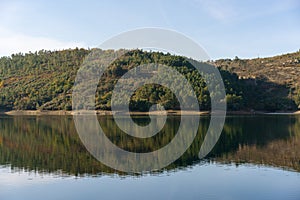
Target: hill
(282,70)
(43,81)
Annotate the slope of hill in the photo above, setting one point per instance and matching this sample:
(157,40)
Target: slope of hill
(43,81)
(282,70)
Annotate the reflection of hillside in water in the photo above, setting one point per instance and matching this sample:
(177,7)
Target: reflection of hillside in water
(51,144)
(269,140)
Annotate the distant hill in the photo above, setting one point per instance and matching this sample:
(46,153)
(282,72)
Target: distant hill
(43,81)
(282,70)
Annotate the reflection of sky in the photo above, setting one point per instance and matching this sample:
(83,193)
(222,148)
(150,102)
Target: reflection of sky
(20,178)
(199,182)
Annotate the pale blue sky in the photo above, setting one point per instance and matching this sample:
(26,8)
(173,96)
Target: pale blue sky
(225,28)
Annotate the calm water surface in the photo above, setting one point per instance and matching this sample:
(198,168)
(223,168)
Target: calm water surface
(256,157)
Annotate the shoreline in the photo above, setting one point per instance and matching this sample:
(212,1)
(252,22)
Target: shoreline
(108,113)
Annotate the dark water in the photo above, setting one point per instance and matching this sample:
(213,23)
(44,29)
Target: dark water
(256,157)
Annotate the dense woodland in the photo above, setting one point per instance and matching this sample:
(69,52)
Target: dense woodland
(43,80)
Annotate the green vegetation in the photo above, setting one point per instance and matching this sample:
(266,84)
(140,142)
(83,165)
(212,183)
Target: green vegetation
(297,97)
(43,81)
(40,80)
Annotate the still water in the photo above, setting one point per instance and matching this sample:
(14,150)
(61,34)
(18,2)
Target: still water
(256,157)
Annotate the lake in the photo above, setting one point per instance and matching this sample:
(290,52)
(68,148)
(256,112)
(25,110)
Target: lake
(256,157)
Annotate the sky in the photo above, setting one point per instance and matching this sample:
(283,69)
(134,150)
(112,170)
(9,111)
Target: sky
(224,28)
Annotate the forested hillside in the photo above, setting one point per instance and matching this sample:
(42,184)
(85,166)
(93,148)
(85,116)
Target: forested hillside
(283,70)
(43,81)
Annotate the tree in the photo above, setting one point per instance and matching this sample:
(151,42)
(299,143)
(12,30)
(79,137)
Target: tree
(234,102)
(297,98)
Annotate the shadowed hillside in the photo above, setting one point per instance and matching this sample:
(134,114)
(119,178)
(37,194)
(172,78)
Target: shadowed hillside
(281,70)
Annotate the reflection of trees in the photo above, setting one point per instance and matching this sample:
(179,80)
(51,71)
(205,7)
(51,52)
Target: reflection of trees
(45,144)
(272,140)
(134,144)
(258,130)
(51,144)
